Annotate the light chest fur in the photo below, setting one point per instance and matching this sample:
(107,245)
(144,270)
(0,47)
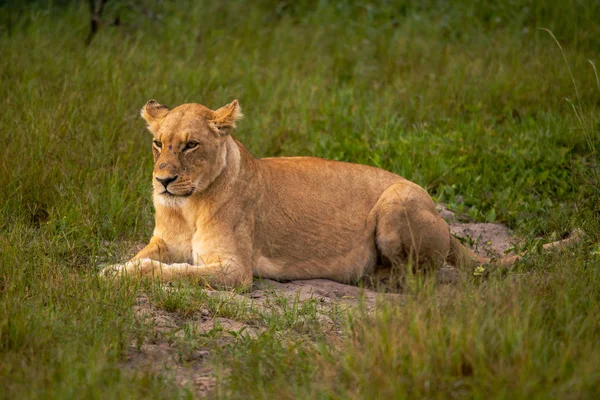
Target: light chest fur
(178,226)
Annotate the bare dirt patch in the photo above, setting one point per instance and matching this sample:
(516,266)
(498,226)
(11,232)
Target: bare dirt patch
(160,354)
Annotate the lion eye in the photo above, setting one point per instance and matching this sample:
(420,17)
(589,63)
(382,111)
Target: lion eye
(157,144)
(191,145)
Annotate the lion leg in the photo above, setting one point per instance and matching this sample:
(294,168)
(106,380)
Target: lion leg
(223,275)
(409,230)
(156,249)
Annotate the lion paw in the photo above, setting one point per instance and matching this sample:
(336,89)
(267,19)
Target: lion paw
(139,267)
(112,271)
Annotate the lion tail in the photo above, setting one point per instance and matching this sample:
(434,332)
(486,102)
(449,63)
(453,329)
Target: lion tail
(464,258)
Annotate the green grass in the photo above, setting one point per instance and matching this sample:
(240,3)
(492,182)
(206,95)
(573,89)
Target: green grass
(471,101)
(531,335)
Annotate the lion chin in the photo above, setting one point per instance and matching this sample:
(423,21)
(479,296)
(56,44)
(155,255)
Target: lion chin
(171,200)
(279,218)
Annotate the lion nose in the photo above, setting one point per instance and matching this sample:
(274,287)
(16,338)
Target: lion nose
(165,181)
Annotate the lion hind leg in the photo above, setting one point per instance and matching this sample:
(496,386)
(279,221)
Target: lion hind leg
(409,230)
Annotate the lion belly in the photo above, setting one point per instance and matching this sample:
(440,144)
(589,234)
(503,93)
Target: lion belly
(341,269)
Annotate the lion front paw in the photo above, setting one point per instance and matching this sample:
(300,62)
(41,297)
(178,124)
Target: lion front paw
(112,271)
(140,267)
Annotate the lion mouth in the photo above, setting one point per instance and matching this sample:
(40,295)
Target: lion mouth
(171,194)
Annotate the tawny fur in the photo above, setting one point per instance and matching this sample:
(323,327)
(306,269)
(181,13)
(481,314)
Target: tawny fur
(229,217)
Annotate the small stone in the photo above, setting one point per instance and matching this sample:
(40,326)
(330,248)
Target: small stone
(200,354)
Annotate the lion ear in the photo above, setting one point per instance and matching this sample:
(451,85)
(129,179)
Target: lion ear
(154,112)
(225,117)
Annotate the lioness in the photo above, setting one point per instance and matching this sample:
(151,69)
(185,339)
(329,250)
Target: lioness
(224,216)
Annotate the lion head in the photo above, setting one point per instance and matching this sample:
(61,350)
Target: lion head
(188,146)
